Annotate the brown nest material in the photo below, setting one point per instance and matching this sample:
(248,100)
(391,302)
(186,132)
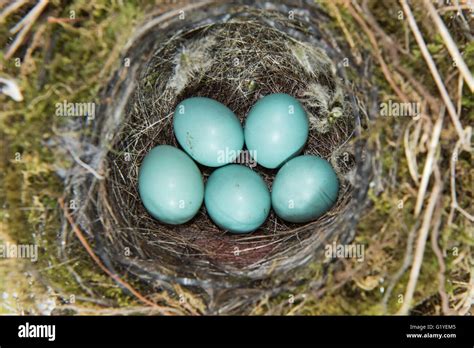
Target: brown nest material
(234,53)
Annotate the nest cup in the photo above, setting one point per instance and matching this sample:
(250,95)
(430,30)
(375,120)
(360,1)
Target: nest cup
(234,54)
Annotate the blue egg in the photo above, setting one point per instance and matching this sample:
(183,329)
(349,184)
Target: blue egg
(237,199)
(170,185)
(208,131)
(304,188)
(276,129)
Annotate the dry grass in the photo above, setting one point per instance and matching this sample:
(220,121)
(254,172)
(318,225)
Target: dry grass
(417,228)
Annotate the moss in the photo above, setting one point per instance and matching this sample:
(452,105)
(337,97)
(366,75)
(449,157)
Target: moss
(31,186)
(84,54)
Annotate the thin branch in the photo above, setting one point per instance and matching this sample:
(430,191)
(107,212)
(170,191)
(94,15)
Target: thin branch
(96,259)
(84,165)
(378,54)
(410,155)
(406,263)
(26,24)
(428,168)
(434,71)
(454,200)
(420,247)
(15,5)
(442,266)
(450,45)
(346,32)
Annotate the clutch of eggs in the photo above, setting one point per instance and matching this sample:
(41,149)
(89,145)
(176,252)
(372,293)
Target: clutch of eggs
(236,197)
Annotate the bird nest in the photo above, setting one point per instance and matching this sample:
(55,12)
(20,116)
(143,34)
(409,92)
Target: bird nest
(235,54)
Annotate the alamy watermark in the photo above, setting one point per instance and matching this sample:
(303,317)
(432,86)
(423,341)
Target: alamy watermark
(19,251)
(28,330)
(396,109)
(69,109)
(237,156)
(345,251)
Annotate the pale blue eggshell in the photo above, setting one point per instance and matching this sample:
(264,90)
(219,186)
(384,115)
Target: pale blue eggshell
(208,131)
(170,185)
(237,199)
(276,129)
(304,189)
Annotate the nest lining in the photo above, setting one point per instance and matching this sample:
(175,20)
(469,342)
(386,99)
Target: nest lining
(234,63)
(236,59)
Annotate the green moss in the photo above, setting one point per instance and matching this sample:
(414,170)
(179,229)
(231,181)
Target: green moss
(31,187)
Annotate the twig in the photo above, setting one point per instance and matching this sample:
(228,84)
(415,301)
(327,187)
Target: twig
(457,8)
(15,5)
(454,200)
(393,48)
(428,168)
(450,45)
(420,247)
(346,32)
(85,165)
(378,54)
(35,43)
(432,66)
(406,263)
(63,20)
(442,265)
(460,91)
(96,259)
(25,26)
(132,310)
(411,158)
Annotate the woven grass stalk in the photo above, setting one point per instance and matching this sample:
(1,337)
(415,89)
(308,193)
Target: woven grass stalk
(234,53)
